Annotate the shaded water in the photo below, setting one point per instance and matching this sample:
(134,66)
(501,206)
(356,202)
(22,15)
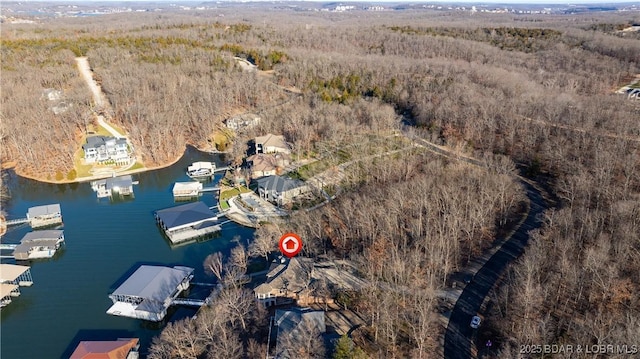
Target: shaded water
(105,241)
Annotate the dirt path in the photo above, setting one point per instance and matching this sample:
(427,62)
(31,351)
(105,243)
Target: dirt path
(96,91)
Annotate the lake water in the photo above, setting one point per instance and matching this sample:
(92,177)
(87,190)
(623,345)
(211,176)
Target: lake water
(105,242)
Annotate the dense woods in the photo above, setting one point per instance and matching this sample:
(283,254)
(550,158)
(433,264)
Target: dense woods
(535,91)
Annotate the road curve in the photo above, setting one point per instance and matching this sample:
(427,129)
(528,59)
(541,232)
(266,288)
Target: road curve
(459,335)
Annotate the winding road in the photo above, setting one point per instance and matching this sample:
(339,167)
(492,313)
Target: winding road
(459,336)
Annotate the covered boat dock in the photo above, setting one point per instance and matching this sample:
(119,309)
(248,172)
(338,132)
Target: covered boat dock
(39,244)
(187,221)
(11,278)
(149,292)
(47,215)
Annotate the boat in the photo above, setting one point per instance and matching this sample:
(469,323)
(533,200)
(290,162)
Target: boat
(201,170)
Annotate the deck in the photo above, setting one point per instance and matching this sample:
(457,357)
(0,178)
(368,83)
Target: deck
(193,233)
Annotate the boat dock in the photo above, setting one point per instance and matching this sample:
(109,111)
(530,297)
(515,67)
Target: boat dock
(187,221)
(188,190)
(39,216)
(150,291)
(12,277)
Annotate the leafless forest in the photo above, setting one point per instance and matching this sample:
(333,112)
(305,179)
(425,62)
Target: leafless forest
(536,92)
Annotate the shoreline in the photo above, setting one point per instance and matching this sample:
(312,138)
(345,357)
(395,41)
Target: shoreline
(13,164)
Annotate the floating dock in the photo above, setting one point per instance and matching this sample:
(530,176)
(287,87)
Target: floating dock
(150,291)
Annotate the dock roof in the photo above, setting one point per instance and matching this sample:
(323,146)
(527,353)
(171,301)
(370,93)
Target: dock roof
(6,289)
(185,214)
(153,282)
(43,210)
(121,182)
(10,272)
(187,186)
(51,234)
(113,349)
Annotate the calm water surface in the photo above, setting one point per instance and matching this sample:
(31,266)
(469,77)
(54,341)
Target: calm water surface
(105,242)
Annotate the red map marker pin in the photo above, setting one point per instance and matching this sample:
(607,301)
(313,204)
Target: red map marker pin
(290,244)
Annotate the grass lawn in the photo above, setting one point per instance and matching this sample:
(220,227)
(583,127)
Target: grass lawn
(221,139)
(82,170)
(136,166)
(228,194)
(635,85)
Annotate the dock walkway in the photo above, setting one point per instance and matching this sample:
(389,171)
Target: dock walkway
(13,222)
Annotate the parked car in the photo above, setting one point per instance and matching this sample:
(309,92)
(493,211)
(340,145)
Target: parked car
(475,322)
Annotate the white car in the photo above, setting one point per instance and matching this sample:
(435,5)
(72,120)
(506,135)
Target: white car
(475,322)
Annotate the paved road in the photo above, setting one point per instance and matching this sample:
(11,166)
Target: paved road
(459,335)
(458,340)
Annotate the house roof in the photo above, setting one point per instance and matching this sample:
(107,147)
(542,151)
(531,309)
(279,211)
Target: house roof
(51,234)
(272,140)
(153,282)
(121,182)
(97,141)
(185,214)
(114,349)
(262,162)
(294,275)
(295,325)
(6,289)
(9,272)
(43,210)
(278,184)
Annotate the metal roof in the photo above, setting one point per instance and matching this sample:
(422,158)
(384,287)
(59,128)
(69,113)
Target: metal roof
(43,210)
(9,272)
(6,289)
(121,182)
(189,186)
(51,234)
(153,282)
(185,214)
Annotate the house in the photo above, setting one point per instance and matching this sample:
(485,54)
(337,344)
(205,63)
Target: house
(263,165)
(287,280)
(294,328)
(280,190)
(112,349)
(42,216)
(39,244)
(301,280)
(243,121)
(101,149)
(270,143)
(149,292)
(187,221)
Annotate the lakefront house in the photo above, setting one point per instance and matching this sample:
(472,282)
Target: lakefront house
(102,149)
